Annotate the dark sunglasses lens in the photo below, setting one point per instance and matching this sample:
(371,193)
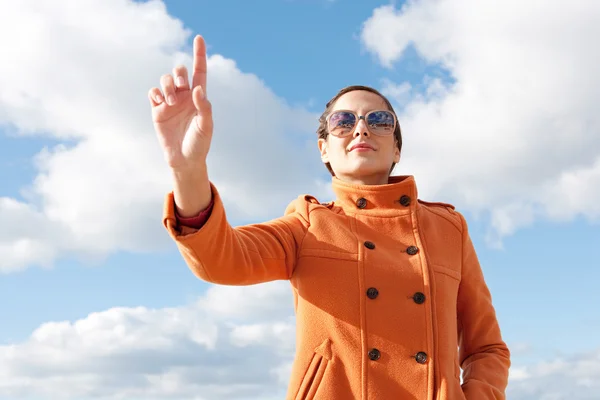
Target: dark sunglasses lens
(381,122)
(341,122)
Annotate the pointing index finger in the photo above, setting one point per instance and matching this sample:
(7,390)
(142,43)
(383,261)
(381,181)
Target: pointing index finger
(199,68)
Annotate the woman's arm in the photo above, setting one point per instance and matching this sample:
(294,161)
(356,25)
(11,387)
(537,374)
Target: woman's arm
(484,356)
(244,255)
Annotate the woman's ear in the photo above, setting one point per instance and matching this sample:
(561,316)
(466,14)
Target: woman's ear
(396,152)
(396,156)
(323,150)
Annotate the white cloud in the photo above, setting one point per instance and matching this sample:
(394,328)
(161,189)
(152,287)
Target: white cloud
(192,352)
(75,77)
(574,378)
(515,130)
(21,244)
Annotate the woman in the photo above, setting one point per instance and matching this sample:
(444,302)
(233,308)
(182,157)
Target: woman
(386,286)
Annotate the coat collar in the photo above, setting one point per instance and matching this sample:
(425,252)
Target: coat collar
(398,196)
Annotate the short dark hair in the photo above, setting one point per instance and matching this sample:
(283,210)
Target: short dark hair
(322,130)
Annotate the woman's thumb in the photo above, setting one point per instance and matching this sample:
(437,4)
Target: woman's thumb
(204,120)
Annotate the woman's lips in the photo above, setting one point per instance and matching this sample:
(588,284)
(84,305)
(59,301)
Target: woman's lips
(361,147)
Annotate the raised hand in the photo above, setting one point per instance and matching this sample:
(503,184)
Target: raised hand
(182,115)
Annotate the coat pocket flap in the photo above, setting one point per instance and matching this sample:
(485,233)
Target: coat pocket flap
(446,271)
(323,253)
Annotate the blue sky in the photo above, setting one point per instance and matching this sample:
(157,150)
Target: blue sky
(497,133)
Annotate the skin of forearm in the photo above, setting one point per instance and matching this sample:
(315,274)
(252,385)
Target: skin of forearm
(191,190)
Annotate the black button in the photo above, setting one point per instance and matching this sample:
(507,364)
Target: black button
(412,250)
(421,357)
(369,245)
(361,203)
(374,354)
(405,200)
(419,298)
(372,292)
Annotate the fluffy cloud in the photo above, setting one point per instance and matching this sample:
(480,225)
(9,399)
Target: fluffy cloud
(513,131)
(215,348)
(76,78)
(573,378)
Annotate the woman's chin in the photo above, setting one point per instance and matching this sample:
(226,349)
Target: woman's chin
(365,169)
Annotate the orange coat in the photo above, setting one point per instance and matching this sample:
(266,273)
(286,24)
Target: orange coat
(385,288)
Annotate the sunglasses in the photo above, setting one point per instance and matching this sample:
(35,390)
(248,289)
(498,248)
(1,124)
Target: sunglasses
(379,122)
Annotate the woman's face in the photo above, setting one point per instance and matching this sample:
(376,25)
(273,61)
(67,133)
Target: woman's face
(370,166)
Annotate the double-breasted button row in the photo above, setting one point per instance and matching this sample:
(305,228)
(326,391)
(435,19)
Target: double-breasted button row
(374,355)
(404,201)
(373,292)
(411,250)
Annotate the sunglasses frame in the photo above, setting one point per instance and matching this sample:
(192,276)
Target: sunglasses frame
(358,118)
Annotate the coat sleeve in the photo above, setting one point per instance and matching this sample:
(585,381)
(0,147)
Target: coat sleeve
(244,255)
(483,355)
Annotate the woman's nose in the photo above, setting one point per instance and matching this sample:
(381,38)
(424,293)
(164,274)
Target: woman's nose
(361,128)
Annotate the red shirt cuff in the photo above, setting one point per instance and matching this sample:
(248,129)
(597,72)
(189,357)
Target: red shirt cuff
(199,220)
